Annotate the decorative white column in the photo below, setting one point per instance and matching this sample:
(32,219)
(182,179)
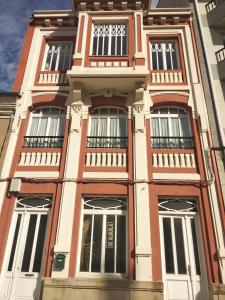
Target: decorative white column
(67,205)
(143,263)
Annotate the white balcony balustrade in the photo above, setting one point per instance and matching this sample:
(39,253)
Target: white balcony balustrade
(36,158)
(55,78)
(173,160)
(106,159)
(160,76)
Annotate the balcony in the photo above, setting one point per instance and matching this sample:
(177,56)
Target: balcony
(106,152)
(220,56)
(216,13)
(167,142)
(41,151)
(43,142)
(173,152)
(107,73)
(52,78)
(167,77)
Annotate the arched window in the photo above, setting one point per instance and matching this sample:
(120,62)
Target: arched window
(46,128)
(170,128)
(108,128)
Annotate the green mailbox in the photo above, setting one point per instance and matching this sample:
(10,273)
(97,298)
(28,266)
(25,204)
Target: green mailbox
(59,262)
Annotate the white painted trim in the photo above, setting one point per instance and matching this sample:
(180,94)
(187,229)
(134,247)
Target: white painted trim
(106,175)
(177,176)
(37,174)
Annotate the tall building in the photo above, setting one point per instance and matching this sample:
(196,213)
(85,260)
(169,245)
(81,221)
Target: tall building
(110,189)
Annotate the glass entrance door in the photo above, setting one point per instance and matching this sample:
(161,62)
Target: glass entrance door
(23,256)
(183,270)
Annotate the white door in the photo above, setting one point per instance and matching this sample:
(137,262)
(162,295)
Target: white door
(20,278)
(181,252)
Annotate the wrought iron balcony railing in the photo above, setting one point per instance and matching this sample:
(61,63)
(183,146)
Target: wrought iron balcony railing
(106,142)
(220,55)
(43,142)
(213,4)
(167,142)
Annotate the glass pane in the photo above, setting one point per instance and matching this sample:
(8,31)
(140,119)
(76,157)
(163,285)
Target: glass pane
(195,246)
(121,245)
(48,61)
(113,126)
(154,61)
(54,58)
(53,126)
(34,127)
(160,60)
(113,45)
(119,41)
(28,202)
(94,50)
(175,61)
(42,127)
(110,244)
(105,203)
(164,127)
(106,45)
(168,61)
(15,238)
(86,244)
(29,244)
(184,127)
(61,127)
(181,261)
(40,244)
(122,127)
(168,245)
(100,45)
(178,205)
(175,127)
(97,244)
(124,45)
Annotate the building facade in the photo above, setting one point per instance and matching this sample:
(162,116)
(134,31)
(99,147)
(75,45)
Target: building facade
(109,189)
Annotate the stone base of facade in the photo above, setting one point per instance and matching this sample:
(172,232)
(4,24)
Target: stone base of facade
(101,289)
(217,291)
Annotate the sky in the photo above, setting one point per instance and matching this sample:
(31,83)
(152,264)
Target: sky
(14,16)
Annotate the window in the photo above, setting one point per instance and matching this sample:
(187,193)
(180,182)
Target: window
(164,55)
(107,129)
(103,245)
(58,56)
(110,39)
(46,128)
(170,128)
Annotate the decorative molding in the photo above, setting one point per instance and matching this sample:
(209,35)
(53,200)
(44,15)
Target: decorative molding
(138,107)
(76,107)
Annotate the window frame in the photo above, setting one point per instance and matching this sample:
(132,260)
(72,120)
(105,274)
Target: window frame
(46,49)
(108,116)
(49,116)
(169,116)
(164,60)
(104,213)
(109,22)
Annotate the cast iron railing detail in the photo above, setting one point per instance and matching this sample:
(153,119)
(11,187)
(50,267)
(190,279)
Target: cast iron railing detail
(167,142)
(106,142)
(213,4)
(43,142)
(220,55)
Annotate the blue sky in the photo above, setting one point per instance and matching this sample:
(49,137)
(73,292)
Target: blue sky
(14,16)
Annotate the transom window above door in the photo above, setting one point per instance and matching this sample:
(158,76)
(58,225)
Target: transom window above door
(170,128)
(108,128)
(164,55)
(57,56)
(104,236)
(110,39)
(46,128)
